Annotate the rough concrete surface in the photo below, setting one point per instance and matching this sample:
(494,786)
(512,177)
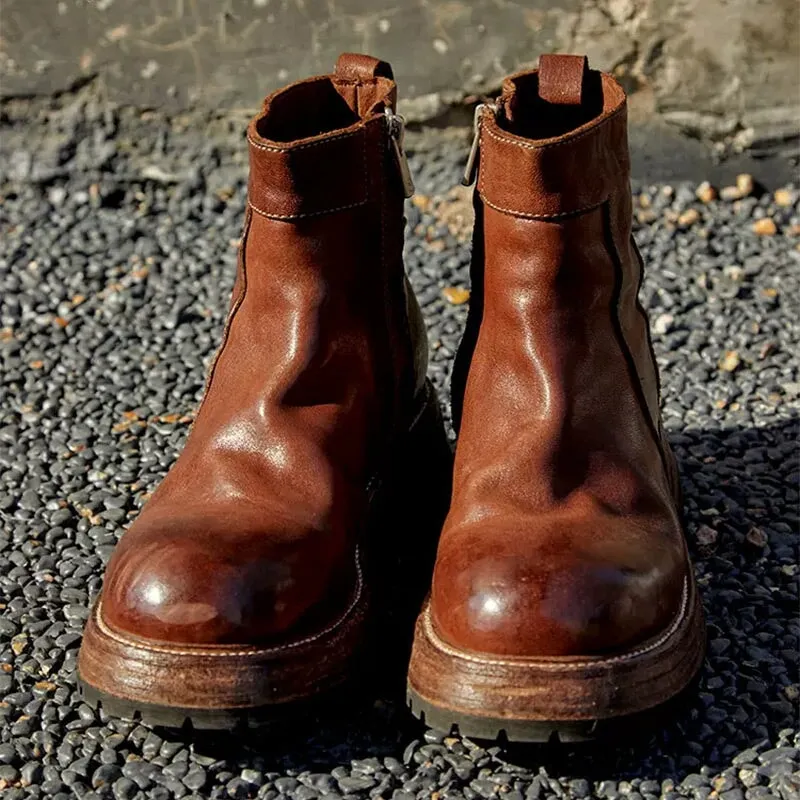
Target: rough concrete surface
(723,69)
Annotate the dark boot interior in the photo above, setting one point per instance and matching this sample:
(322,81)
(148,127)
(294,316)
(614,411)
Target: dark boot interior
(320,106)
(526,114)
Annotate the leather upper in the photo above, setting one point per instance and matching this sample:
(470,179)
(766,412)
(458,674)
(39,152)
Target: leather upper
(563,537)
(252,535)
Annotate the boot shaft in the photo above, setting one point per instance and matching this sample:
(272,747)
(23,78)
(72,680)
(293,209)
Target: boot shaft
(321,308)
(556,342)
(324,352)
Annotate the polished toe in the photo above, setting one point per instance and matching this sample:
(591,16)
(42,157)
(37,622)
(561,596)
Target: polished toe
(568,595)
(184,581)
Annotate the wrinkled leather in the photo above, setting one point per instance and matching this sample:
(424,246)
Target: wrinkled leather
(563,536)
(252,535)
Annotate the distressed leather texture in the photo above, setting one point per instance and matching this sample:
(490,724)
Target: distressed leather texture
(252,536)
(561,78)
(564,536)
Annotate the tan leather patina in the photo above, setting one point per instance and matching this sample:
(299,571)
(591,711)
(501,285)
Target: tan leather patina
(564,537)
(252,537)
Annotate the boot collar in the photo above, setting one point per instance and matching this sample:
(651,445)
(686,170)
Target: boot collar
(526,172)
(313,141)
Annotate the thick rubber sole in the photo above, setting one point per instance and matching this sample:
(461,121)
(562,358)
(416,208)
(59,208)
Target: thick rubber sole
(538,700)
(228,687)
(632,728)
(220,687)
(201,719)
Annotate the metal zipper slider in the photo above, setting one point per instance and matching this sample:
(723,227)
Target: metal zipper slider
(397,130)
(472,158)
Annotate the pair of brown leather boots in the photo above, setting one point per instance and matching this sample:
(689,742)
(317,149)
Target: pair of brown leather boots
(562,592)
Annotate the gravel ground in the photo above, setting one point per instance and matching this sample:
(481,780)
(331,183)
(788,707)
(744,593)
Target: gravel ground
(119,233)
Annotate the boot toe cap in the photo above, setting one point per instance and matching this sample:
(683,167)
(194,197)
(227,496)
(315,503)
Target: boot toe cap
(542,604)
(211,589)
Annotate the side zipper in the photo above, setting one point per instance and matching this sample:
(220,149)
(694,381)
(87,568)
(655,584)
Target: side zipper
(397,129)
(472,159)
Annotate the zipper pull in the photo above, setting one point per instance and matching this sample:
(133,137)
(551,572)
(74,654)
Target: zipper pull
(397,130)
(472,159)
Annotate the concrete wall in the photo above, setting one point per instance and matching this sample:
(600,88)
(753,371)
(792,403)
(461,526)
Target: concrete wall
(719,68)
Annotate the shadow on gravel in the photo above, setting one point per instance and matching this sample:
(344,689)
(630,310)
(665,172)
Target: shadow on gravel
(739,483)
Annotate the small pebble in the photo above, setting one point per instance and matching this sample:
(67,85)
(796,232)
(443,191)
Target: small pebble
(688,217)
(745,184)
(706,193)
(706,536)
(455,295)
(757,538)
(765,227)
(730,361)
(663,323)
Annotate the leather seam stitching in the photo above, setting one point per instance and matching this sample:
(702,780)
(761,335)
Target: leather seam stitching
(241,262)
(640,308)
(427,393)
(513,211)
(386,278)
(426,398)
(633,369)
(356,81)
(532,216)
(441,645)
(481,182)
(365,183)
(266,214)
(255,652)
(565,143)
(295,148)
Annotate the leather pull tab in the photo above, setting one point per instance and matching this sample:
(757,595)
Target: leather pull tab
(360,68)
(562,78)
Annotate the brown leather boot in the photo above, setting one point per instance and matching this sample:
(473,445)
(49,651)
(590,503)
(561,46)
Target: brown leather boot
(243,583)
(563,592)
